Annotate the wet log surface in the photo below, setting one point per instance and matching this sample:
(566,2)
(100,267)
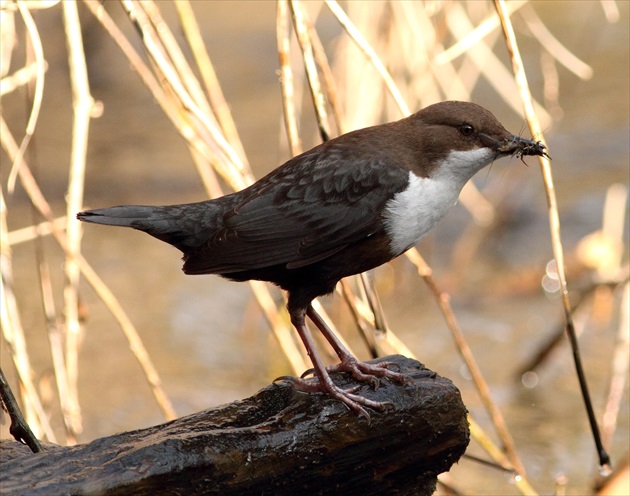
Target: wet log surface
(278,442)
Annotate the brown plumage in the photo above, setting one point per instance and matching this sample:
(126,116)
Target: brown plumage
(344,207)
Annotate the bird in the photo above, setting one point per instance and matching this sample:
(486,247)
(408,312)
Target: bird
(346,206)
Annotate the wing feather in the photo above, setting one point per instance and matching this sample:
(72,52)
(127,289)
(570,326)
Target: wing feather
(305,211)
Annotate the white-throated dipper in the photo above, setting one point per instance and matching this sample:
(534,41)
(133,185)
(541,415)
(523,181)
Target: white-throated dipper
(346,206)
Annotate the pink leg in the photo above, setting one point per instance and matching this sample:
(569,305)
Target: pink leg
(325,383)
(361,371)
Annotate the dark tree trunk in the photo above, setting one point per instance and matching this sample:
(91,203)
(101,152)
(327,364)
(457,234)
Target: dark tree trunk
(278,442)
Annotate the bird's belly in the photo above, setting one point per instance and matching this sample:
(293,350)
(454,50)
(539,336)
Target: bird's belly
(413,212)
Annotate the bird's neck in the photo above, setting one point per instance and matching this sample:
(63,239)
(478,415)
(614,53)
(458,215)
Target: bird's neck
(410,214)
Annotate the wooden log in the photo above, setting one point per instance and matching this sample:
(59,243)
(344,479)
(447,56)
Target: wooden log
(278,442)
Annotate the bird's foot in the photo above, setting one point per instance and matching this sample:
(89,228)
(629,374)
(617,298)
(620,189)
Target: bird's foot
(325,384)
(368,372)
(364,372)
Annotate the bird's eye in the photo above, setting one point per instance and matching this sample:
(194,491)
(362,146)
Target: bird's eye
(466,130)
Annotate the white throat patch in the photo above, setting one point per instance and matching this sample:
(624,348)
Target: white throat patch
(412,213)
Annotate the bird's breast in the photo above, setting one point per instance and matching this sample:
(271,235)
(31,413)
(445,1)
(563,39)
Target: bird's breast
(413,212)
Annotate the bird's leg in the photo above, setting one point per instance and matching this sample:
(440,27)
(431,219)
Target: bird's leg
(361,371)
(325,383)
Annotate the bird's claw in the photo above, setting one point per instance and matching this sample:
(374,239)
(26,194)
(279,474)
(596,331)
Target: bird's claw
(361,371)
(307,372)
(368,372)
(311,385)
(364,372)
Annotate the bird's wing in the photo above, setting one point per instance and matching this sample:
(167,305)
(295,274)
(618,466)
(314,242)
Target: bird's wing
(308,209)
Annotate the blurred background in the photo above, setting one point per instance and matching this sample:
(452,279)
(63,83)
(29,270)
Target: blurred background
(207,337)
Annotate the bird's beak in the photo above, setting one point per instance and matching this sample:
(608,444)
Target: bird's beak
(515,145)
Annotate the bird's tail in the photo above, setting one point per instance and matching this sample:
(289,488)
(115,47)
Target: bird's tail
(179,225)
(136,216)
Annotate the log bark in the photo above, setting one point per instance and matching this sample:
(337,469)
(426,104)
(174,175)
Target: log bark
(278,442)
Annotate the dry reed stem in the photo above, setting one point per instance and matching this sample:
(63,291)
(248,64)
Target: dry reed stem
(55,333)
(321,60)
(171,51)
(611,10)
(283,331)
(283,39)
(497,75)
(609,268)
(186,131)
(146,76)
(363,324)
(554,219)
(370,295)
(551,44)
(443,300)
(197,127)
(485,27)
(13,334)
(369,52)
(303,37)
(424,41)
(82,104)
(219,106)
(519,481)
(620,361)
(8,42)
(33,73)
(613,230)
(166,43)
(35,43)
(138,65)
(30,233)
(319,336)
(378,341)
(19,78)
(53,325)
(37,4)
